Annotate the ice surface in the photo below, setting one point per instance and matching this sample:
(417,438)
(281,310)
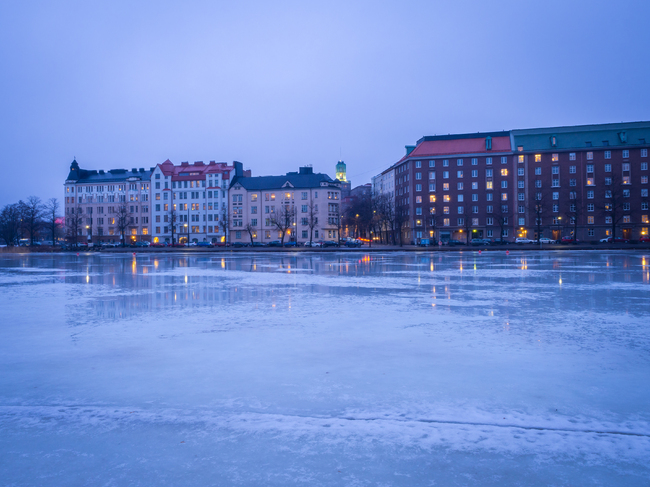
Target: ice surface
(325,369)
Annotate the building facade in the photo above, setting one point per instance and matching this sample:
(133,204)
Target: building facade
(103,206)
(587,182)
(449,186)
(303,205)
(190,202)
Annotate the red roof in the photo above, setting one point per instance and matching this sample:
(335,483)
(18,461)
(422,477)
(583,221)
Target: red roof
(195,171)
(439,148)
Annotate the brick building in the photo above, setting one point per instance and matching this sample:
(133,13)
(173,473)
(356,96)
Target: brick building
(587,180)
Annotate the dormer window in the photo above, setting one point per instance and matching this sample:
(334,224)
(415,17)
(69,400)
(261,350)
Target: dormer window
(553,140)
(488,143)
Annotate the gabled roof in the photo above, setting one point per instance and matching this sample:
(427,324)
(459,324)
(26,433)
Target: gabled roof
(197,170)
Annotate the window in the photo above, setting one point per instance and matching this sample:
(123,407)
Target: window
(644,152)
(432,163)
(556,208)
(644,205)
(520,158)
(538,158)
(474,185)
(418,164)
(590,207)
(555,183)
(474,161)
(626,193)
(459,174)
(644,219)
(488,161)
(418,175)
(446,198)
(432,186)
(461,210)
(608,154)
(432,198)
(474,197)
(521,196)
(555,158)
(445,163)
(538,171)
(445,210)
(461,222)
(432,175)
(504,160)
(626,219)
(460,198)
(572,156)
(626,166)
(418,199)
(590,156)
(504,196)
(445,174)
(489,209)
(644,192)
(556,195)
(520,171)
(521,184)
(504,183)
(445,222)
(418,187)
(538,183)
(504,172)
(488,173)
(488,197)
(445,186)
(418,210)
(626,154)
(459,186)
(459,162)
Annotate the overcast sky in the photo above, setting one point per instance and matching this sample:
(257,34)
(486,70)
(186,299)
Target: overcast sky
(277,85)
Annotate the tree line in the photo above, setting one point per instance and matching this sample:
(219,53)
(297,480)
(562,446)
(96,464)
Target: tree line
(30,219)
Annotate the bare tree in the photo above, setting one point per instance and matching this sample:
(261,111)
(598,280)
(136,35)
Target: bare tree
(172,216)
(10,224)
(467,225)
(73,221)
(312,220)
(122,221)
(541,209)
(616,201)
(251,231)
(283,220)
(51,217)
(401,217)
(32,215)
(575,211)
(224,223)
(502,215)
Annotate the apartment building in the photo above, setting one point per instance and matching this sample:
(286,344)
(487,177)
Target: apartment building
(451,185)
(589,181)
(102,206)
(190,202)
(303,205)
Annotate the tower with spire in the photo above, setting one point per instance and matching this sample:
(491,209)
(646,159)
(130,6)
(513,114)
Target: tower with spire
(341,176)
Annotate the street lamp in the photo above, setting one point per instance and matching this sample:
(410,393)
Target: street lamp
(188,234)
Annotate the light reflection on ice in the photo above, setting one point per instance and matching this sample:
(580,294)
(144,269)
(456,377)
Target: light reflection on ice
(388,359)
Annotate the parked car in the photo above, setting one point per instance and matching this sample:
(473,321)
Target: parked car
(158,244)
(205,244)
(258,244)
(616,240)
(480,241)
(568,240)
(178,244)
(330,243)
(313,244)
(545,240)
(523,240)
(453,242)
(645,238)
(239,244)
(290,244)
(275,243)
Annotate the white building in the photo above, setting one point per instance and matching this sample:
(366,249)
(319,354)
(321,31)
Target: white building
(384,183)
(190,202)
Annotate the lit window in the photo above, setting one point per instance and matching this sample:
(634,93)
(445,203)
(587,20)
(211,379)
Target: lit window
(521,158)
(504,172)
(432,198)
(445,210)
(555,157)
(590,156)
(446,198)
(538,158)
(504,196)
(644,219)
(445,187)
(488,185)
(590,220)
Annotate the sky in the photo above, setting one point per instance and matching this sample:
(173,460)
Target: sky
(278,85)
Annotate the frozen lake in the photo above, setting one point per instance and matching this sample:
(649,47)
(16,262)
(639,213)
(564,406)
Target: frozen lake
(350,369)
